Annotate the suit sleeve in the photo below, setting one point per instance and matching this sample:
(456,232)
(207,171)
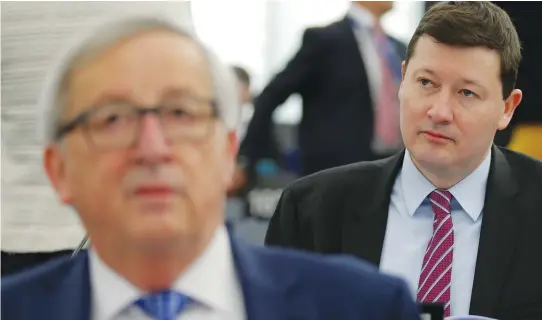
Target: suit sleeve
(296,75)
(283,228)
(403,306)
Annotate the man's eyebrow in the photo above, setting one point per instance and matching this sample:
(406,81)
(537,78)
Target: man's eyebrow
(180,92)
(127,96)
(424,70)
(473,82)
(463,80)
(113,96)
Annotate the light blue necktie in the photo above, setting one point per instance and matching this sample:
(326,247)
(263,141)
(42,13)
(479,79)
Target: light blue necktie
(163,305)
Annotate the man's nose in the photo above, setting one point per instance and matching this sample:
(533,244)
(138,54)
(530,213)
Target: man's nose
(152,144)
(442,109)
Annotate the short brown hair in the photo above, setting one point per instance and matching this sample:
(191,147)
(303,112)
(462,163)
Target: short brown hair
(473,24)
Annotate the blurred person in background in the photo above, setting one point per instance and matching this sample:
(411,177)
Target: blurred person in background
(141,141)
(245,99)
(347,74)
(239,184)
(456,216)
(245,177)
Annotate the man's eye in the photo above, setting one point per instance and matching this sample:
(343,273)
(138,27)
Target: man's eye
(112,119)
(468,93)
(178,112)
(425,82)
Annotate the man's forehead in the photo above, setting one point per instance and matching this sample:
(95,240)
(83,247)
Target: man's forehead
(429,50)
(143,39)
(160,63)
(471,64)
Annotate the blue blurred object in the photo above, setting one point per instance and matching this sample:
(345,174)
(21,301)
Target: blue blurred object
(235,209)
(270,181)
(252,230)
(292,161)
(266,167)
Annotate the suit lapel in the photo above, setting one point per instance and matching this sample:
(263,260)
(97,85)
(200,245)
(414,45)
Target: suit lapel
(367,211)
(352,50)
(499,232)
(265,286)
(74,292)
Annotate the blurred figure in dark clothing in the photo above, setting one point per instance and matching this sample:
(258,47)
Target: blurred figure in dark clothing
(245,98)
(347,74)
(244,177)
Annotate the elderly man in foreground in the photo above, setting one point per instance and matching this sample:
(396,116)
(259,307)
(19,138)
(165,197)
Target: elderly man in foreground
(140,141)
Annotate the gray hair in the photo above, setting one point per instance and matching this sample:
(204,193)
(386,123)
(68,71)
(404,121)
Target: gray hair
(53,98)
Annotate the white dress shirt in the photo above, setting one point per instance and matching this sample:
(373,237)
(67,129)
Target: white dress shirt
(369,53)
(410,226)
(211,281)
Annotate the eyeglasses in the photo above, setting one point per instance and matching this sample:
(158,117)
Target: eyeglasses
(116,125)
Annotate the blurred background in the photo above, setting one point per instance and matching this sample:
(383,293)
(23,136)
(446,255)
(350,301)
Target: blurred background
(267,45)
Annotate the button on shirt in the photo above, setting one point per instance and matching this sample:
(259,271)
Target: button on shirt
(211,282)
(410,227)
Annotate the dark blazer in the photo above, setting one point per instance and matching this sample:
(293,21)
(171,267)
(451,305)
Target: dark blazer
(276,283)
(329,74)
(345,210)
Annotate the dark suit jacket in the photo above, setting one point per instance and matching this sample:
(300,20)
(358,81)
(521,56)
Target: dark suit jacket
(345,210)
(329,74)
(277,284)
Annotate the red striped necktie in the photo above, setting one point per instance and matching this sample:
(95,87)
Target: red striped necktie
(387,105)
(436,274)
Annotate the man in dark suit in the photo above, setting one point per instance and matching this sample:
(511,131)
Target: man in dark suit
(457,217)
(347,74)
(140,127)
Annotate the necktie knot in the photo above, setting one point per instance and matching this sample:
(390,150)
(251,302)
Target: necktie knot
(163,305)
(441,201)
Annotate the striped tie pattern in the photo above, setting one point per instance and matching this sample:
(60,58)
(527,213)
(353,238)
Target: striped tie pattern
(163,305)
(436,273)
(387,104)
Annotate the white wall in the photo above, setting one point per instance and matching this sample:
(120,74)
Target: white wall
(263,35)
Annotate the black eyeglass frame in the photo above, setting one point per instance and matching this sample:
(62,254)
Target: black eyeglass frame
(81,120)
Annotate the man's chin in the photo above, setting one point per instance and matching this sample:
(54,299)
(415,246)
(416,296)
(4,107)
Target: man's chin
(158,239)
(434,158)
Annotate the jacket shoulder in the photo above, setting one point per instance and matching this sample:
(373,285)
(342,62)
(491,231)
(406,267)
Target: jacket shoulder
(350,283)
(37,282)
(335,270)
(326,34)
(339,179)
(522,163)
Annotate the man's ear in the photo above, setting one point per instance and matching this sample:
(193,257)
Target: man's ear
(229,155)
(54,165)
(510,106)
(403,70)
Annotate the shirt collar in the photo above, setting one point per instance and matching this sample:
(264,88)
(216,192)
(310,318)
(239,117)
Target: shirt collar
(211,280)
(111,293)
(361,16)
(469,192)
